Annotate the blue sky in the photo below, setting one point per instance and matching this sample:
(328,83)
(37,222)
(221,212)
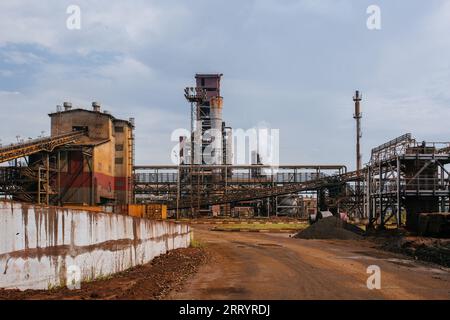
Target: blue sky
(288,64)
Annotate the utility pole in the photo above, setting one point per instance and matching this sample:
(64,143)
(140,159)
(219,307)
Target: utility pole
(178,190)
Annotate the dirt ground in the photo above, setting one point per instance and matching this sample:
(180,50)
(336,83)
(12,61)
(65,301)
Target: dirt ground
(253,265)
(151,281)
(275,266)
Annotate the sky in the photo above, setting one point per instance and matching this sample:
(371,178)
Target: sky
(291,65)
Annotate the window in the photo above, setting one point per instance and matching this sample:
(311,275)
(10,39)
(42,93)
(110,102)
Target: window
(119,147)
(119,160)
(203,82)
(79,128)
(118,129)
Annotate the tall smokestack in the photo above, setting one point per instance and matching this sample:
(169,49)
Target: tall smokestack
(357,116)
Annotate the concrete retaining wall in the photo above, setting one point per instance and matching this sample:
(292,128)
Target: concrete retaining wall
(38,245)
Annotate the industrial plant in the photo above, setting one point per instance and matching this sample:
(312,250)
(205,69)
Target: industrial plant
(76,201)
(88,161)
(237,158)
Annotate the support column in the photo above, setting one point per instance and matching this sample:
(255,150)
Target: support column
(380,193)
(276,206)
(178,192)
(47,178)
(39,186)
(58,166)
(398,194)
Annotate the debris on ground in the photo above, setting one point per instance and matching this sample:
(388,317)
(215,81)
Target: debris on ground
(331,228)
(151,281)
(426,249)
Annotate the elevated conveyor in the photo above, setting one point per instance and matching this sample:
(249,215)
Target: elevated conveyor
(20,150)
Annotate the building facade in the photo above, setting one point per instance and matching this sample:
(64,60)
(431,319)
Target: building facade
(97,169)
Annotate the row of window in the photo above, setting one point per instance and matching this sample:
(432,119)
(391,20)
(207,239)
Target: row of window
(85,128)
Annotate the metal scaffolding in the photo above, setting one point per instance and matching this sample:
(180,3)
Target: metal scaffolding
(404,176)
(200,186)
(38,181)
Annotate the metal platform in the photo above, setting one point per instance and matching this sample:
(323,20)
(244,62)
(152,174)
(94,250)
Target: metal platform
(406,176)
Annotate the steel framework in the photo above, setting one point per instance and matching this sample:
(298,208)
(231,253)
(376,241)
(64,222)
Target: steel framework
(39,180)
(200,186)
(406,176)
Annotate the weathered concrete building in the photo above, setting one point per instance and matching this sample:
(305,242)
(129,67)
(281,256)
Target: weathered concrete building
(97,169)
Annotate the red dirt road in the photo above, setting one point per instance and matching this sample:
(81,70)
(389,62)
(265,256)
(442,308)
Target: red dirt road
(274,266)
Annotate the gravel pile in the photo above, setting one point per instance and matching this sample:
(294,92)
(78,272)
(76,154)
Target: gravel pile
(331,228)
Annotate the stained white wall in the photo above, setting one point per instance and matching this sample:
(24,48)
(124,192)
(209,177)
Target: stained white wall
(39,244)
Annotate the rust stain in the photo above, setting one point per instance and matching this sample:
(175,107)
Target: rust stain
(25,225)
(136,239)
(63,226)
(61,250)
(37,221)
(72,238)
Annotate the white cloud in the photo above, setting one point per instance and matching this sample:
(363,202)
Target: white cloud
(408,91)
(9,93)
(20,58)
(28,22)
(293,63)
(126,67)
(116,26)
(418,114)
(336,8)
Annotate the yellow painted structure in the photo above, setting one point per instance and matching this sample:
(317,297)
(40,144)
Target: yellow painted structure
(149,211)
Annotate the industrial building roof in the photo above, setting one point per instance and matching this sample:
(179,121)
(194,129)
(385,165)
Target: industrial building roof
(208,75)
(94,112)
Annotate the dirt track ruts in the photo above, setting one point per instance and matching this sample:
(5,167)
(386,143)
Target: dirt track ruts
(274,266)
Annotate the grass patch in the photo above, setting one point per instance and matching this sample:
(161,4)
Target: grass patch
(196,244)
(265,226)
